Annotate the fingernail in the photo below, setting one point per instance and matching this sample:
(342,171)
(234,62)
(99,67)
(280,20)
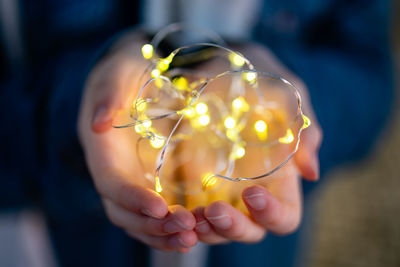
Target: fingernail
(223,221)
(149,213)
(101,115)
(177,242)
(175,226)
(256,201)
(202,227)
(182,242)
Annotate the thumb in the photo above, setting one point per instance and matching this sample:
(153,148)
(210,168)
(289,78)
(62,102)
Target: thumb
(102,118)
(307,156)
(110,95)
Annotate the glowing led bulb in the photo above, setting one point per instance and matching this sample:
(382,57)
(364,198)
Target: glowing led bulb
(147,51)
(188,112)
(237,103)
(239,152)
(288,138)
(157,142)
(180,83)
(204,120)
(306,122)
(232,134)
(143,126)
(140,105)
(250,77)
(230,123)
(155,73)
(260,126)
(163,65)
(158,184)
(139,128)
(236,60)
(208,180)
(146,123)
(201,108)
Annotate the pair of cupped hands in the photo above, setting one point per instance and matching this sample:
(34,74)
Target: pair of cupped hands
(143,213)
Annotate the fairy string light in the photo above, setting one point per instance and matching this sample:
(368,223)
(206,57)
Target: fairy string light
(224,121)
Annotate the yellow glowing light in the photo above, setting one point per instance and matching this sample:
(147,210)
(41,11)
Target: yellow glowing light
(232,134)
(157,142)
(306,122)
(140,105)
(158,184)
(163,65)
(250,77)
(236,60)
(155,73)
(147,51)
(201,108)
(208,180)
(288,138)
(139,128)
(204,120)
(159,82)
(147,123)
(230,123)
(180,83)
(240,103)
(188,112)
(143,126)
(260,126)
(239,152)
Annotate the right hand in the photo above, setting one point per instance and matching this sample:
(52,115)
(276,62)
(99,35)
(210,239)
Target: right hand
(111,158)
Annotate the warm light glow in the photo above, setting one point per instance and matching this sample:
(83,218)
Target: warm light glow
(147,51)
(229,123)
(288,138)
(155,73)
(139,128)
(250,77)
(232,134)
(188,112)
(163,65)
(157,142)
(201,108)
(146,123)
(208,180)
(236,60)
(140,105)
(306,122)
(158,184)
(180,83)
(143,126)
(237,103)
(204,120)
(239,152)
(260,126)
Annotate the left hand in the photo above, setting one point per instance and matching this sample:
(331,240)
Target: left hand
(276,207)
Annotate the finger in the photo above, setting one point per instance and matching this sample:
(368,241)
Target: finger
(179,219)
(307,156)
(270,212)
(181,241)
(147,225)
(204,230)
(233,224)
(133,198)
(108,92)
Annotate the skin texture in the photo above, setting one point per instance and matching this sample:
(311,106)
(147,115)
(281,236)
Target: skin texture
(144,214)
